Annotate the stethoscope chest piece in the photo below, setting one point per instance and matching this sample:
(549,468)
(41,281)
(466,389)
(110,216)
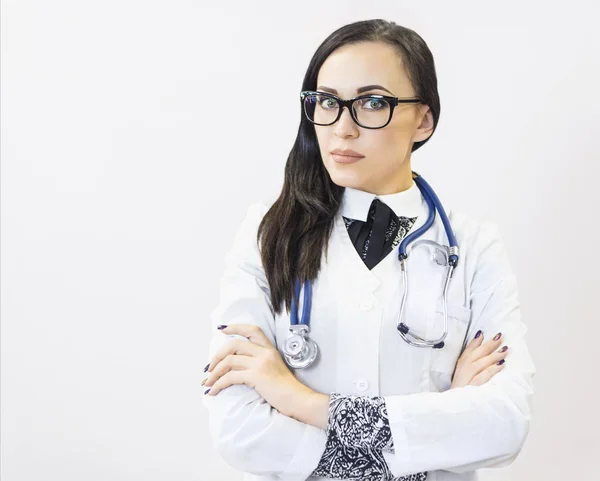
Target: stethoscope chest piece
(299,350)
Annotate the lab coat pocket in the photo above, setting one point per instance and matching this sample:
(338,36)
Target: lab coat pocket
(442,361)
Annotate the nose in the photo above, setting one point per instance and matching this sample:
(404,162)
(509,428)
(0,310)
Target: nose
(345,124)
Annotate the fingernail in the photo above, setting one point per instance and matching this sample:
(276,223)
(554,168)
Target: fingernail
(206,368)
(222,326)
(206,392)
(497,336)
(478,334)
(500,362)
(504,349)
(204,382)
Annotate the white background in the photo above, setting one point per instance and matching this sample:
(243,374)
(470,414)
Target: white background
(134,136)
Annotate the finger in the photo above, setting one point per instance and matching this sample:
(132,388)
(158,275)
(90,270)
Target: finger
(485,375)
(466,355)
(487,347)
(254,333)
(475,342)
(229,379)
(234,346)
(474,367)
(232,362)
(489,360)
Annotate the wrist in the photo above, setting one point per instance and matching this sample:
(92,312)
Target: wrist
(310,407)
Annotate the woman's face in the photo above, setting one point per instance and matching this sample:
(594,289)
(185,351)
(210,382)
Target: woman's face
(385,167)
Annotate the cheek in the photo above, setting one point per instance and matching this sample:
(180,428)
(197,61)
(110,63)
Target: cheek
(383,148)
(326,143)
(402,126)
(322,140)
(394,143)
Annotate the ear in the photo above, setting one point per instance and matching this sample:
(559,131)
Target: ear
(425,128)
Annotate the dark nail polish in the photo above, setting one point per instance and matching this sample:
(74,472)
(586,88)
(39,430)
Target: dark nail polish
(478,334)
(222,326)
(206,368)
(500,362)
(497,336)
(206,392)
(504,349)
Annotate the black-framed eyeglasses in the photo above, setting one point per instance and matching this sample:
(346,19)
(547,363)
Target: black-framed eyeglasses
(370,111)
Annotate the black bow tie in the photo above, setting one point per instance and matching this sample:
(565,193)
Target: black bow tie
(375,238)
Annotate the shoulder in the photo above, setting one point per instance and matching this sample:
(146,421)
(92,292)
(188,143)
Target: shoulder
(482,248)
(473,232)
(247,229)
(254,215)
(257,210)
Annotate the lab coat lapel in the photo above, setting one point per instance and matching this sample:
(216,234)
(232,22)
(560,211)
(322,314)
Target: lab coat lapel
(354,313)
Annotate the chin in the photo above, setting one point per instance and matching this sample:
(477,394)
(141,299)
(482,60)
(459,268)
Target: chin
(345,179)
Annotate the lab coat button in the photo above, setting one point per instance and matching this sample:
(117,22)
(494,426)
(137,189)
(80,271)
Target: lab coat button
(365,305)
(361,384)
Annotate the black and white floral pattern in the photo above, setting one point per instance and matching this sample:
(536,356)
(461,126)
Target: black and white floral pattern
(401,228)
(358,433)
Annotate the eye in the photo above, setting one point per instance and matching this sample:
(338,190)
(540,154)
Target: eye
(373,104)
(327,103)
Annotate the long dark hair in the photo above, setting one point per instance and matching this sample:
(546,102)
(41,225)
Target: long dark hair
(295,230)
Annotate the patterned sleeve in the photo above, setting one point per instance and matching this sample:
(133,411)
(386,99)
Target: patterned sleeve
(358,433)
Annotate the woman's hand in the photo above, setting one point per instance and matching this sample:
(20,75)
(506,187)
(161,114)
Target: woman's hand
(478,362)
(257,364)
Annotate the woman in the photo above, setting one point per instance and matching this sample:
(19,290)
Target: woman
(371,406)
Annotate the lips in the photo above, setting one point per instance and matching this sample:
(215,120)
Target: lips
(347,153)
(345,159)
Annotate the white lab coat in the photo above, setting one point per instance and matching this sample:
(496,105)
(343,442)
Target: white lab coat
(449,433)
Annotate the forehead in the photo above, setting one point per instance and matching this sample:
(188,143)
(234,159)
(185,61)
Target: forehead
(366,63)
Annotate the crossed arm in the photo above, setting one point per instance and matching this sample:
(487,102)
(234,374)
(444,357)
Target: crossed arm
(358,432)
(457,430)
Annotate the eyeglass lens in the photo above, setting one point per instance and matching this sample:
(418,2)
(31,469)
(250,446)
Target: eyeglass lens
(370,112)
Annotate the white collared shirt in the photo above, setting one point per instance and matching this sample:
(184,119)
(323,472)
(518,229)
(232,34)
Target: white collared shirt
(447,432)
(408,203)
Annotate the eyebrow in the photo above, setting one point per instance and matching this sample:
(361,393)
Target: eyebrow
(358,90)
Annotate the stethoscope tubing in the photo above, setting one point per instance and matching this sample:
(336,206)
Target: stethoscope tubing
(301,327)
(433,204)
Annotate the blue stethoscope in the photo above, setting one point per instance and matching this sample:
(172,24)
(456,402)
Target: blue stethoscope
(300,351)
